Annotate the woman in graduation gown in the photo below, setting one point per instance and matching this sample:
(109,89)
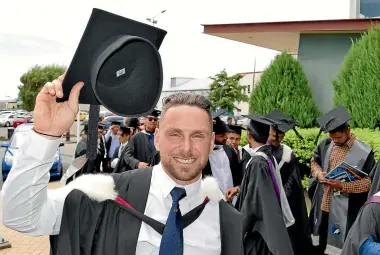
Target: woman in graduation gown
(259,201)
(288,164)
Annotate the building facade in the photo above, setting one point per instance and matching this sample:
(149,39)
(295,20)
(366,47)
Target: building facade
(202,87)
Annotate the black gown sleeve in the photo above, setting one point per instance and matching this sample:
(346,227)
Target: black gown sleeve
(129,158)
(78,225)
(293,178)
(367,224)
(262,212)
(375,180)
(236,171)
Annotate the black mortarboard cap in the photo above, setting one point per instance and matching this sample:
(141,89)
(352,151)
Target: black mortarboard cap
(286,123)
(115,123)
(154,113)
(118,60)
(260,125)
(332,120)
(100,126)
(217,114)
(219,126)
(125,129)
(235,129)
(133,122)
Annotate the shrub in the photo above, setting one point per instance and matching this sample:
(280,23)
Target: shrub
(357,86)
(304,149)
(284,86)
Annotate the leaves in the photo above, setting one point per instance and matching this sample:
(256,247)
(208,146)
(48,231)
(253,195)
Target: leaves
(33,80)
(226,90)
(284,86)
(357,86)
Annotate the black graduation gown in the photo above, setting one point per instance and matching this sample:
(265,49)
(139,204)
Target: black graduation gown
(355,200)
(245,157)
(375,180)
(91,227)
(367,224)
(299,232)
(263,224)
(139,150)
(121,165)
(236,172)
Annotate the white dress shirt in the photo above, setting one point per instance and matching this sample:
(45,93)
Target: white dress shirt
(116,160)
(114,142)
(29,207)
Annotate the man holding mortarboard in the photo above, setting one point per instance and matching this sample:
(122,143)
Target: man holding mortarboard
(288,166)
(223,161)
(261,198)
(234,137)
(336,203)
(141,151)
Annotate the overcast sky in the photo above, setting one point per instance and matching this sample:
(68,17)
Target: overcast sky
(47,31)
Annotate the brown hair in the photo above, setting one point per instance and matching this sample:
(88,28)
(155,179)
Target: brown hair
(186,98)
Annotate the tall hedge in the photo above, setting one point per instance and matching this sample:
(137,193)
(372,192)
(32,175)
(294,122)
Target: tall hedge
(304,149)
(357,86)
(284,86)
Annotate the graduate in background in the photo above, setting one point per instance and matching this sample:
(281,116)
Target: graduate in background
(140,151)
(223,163)
(364,236)
(261,198)
(336,204)
(234,137)
(118,165)
(288,166)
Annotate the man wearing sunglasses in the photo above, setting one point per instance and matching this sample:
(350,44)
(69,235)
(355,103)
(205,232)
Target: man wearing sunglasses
(140,151)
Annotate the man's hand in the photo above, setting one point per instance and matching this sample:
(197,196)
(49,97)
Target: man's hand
(143,165)
(54,118)
(321,177)
(231,193)
(334,184)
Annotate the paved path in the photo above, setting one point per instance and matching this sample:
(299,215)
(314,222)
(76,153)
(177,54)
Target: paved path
(23,244)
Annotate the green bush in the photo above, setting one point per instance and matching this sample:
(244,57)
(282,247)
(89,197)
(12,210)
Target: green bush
(357,86)
(284,86)
(304,149)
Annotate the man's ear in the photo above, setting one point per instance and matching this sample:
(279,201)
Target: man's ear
(157,139)
(212,142)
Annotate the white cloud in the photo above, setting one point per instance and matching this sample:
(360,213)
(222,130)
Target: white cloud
(47,31)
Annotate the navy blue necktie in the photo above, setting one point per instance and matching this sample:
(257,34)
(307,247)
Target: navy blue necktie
(172,238)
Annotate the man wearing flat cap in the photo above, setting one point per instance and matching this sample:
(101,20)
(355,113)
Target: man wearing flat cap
(261,196)
(289,168)
(337,198)
(223,163)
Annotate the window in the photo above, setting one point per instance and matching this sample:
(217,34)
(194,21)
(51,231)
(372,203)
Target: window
(370,8)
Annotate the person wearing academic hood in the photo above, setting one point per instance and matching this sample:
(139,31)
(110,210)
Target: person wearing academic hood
(223,163)
(141,151)
(289,168)
(234,137)
(261,198)
(335,204)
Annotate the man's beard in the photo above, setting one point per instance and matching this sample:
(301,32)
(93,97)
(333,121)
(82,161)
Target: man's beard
(183,172)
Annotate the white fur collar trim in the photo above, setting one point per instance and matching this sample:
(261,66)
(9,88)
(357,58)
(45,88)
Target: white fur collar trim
(101,187)
(286,153)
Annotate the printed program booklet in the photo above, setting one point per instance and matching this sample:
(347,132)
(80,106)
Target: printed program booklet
(346,173)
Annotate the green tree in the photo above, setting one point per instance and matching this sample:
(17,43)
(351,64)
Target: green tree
(357,86)
(284,86)
(226,91)
(33,80)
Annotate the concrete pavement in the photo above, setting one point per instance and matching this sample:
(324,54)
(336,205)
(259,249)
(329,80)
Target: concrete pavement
(23,244)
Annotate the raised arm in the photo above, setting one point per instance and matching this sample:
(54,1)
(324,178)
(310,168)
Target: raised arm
(28,206)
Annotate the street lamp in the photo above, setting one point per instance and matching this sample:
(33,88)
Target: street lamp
(153,20)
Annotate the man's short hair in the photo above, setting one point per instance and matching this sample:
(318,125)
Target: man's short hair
(186,98)
(340,129)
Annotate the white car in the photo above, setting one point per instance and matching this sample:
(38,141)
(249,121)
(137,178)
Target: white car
(6,120)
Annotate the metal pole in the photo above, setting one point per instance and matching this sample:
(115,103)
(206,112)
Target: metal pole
(78,125)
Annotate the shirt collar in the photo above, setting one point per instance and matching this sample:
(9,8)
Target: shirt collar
(166,184)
